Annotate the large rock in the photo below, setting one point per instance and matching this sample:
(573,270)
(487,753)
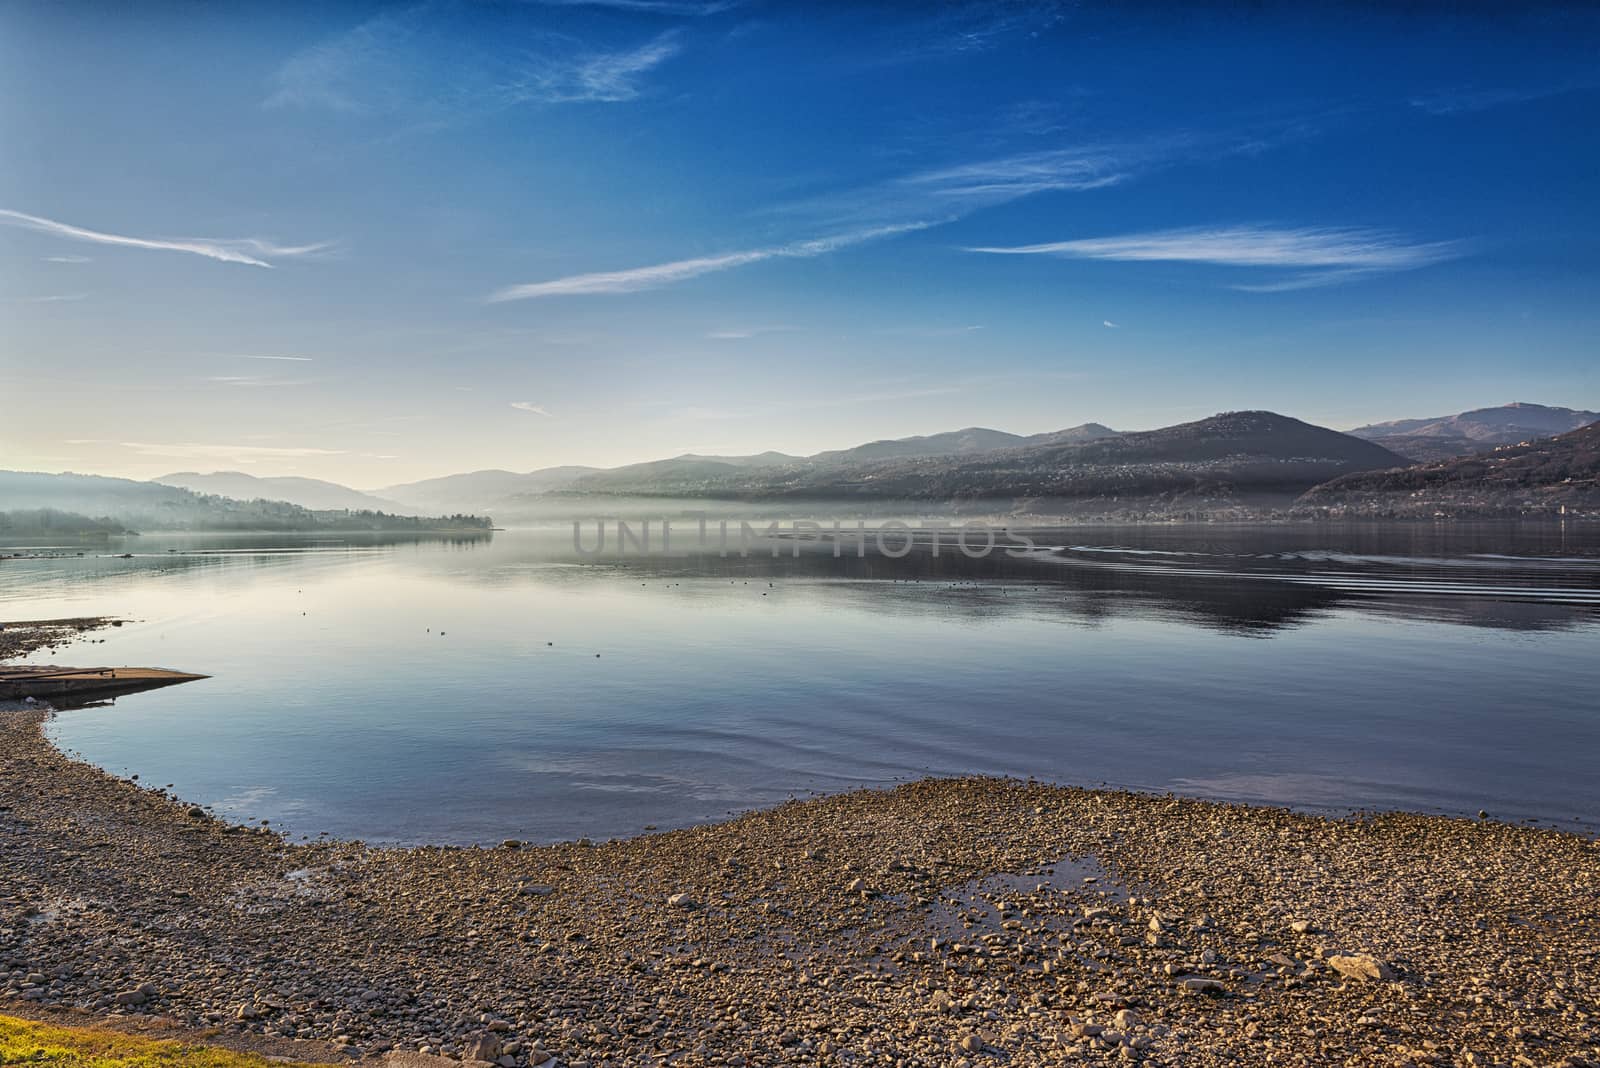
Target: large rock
(408,1059)
(482,1046)
(1360,966)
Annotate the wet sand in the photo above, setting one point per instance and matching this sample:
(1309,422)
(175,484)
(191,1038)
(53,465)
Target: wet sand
(941,923)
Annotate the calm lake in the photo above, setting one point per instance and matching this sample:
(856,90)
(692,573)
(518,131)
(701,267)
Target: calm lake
(470,690)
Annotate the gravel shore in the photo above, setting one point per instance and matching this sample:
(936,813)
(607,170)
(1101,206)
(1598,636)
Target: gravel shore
(947,922)
(22,637)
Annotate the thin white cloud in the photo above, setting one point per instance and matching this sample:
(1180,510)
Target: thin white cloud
(1307,280)
(741,333)
(69,259)
(52,298)
(657,7)
(242,453)
(610,77)
(875,398)
(239,250)
(924,199)
(630,280)
(330,74)
(663,274)
(257,381)
(529,406)
(932,331)
(252,356)
(1329,255)
(704,414)
(1460,101)
(955,191)
(419,63)
(958,29)
(1010,177)
(1108,324)
(960,189)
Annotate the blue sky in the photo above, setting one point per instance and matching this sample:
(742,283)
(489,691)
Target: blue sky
(376,243)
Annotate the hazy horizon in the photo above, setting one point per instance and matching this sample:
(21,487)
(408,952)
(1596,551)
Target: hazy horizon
(450,237)
(245,466)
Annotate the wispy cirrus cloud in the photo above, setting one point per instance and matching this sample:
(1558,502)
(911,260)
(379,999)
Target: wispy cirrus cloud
(959,189)
(967,27)
(69,259)
(699,413)
(254,356)
(1318,279)
(689,8)
(1010,177)
(932,331)
(431,64)
(330,73)
(1323,255)
(529,406)
(1460,101)
(742,333)
(52,298)
(631,280)
(956,190)
(249,250)
(257,381)
(664,274)
(195,450)
(607,77)
(932,197)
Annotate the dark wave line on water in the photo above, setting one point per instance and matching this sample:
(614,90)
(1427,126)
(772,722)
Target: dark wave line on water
(1358,583)
(1497,561)
(303,550)
(1546,580)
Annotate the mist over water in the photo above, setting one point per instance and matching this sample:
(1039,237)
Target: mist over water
(478,688)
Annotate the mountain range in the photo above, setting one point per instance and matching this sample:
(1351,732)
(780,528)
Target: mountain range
(859,471)
(311,493)
(480,491)
(966,442)
(508,493)
(1468,432)
(1235,464)
(1232,460)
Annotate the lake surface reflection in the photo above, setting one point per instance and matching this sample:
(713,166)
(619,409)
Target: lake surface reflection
(474,689)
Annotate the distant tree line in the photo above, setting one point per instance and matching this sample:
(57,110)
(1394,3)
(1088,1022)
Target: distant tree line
(44,522)
(207,512)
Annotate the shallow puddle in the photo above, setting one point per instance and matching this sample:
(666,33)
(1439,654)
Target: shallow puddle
(1048,895)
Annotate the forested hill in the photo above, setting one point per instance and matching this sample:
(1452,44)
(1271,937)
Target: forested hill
(50,523)
(1548,477)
